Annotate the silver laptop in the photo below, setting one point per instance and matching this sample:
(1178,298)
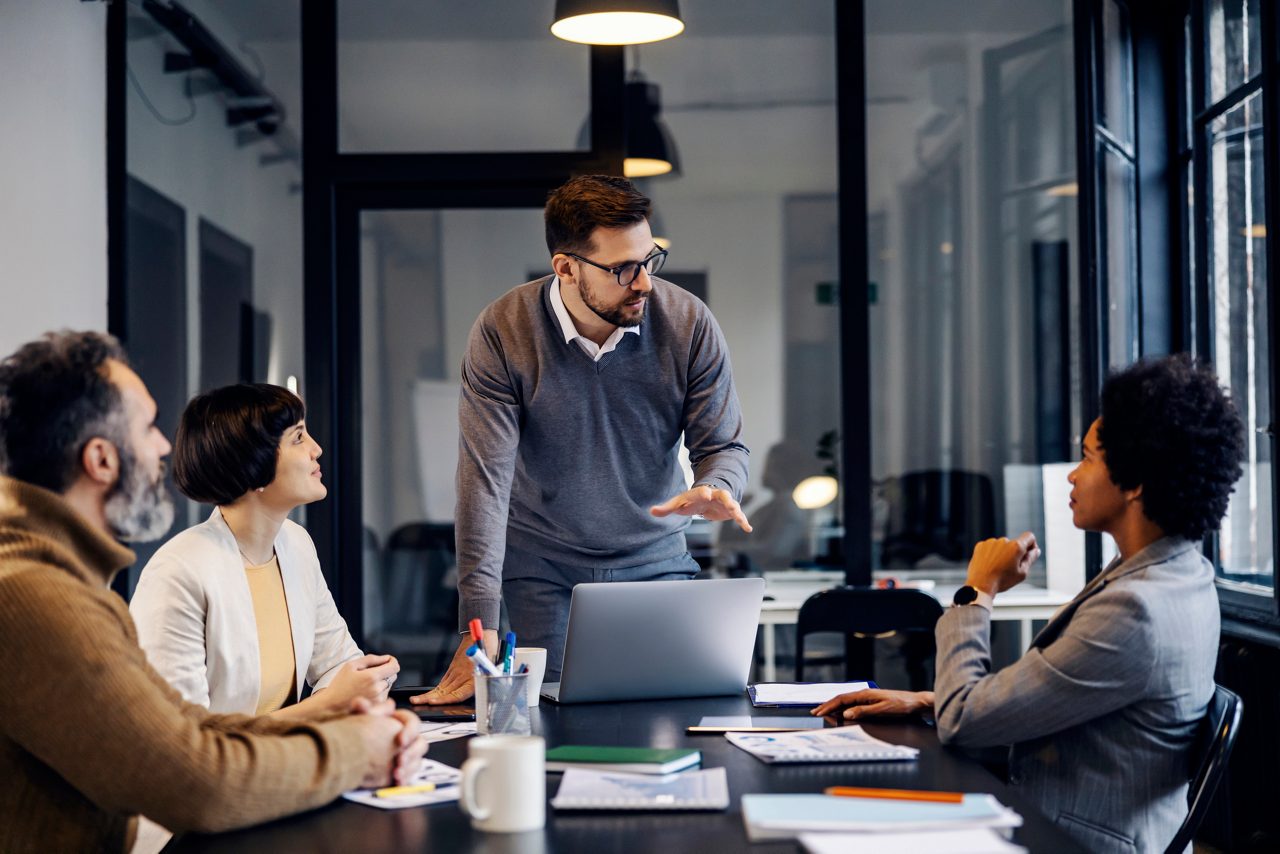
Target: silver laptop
(641,640)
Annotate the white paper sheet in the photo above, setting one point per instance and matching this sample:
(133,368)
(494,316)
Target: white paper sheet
(975,841)
(444,731)
(446,778)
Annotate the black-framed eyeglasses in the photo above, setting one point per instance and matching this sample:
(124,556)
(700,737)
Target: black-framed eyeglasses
(627,273)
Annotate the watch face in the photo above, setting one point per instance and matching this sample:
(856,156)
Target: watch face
(965,596)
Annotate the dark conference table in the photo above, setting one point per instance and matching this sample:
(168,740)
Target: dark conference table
(345,826)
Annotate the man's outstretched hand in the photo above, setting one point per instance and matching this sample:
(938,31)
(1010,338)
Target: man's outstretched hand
(457,684)
(714,504)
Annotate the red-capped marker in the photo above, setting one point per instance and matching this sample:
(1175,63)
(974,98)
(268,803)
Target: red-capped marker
(477,630)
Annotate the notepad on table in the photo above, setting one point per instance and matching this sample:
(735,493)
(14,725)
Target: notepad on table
(839,744)
(806,694)
(787,816)
(583,789)
(636,760)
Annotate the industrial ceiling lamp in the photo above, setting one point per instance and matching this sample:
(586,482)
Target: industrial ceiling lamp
(649,149)
(617,21)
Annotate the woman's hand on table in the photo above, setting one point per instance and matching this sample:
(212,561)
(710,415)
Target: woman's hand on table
(876,702)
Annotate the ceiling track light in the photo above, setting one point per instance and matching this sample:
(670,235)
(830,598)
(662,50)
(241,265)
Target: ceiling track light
(205,52)
(614,22)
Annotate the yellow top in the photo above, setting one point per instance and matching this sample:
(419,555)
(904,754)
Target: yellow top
(275,635)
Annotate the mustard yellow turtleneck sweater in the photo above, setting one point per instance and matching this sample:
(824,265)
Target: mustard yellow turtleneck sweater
(90,735)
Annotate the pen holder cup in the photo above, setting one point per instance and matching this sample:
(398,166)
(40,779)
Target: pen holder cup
(502,704)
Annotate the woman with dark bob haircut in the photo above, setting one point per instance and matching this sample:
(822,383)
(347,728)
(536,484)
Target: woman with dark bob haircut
(235,612)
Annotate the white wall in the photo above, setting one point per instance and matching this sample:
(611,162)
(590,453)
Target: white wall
(53,220)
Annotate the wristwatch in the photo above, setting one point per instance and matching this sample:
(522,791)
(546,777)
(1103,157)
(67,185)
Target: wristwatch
(966,595)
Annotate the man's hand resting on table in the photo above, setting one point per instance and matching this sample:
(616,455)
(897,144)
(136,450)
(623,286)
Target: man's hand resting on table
(714,504)
(457,684)
(393,746)
(875,702)
(1001,563)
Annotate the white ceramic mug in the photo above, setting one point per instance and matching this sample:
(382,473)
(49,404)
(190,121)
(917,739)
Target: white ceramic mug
(504,783)
(536,658)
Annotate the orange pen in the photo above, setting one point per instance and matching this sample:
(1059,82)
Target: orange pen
(895,794)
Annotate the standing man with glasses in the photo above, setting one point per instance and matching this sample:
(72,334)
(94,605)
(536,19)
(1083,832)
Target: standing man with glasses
(578,390)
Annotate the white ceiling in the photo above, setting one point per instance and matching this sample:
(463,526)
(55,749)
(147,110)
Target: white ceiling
(273,20)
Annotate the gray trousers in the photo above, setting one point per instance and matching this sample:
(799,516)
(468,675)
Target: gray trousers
(537,591)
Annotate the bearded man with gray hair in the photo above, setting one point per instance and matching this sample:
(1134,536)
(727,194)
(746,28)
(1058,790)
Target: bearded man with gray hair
(90,735)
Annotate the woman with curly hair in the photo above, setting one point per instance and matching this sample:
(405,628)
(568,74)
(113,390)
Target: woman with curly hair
(1101,713)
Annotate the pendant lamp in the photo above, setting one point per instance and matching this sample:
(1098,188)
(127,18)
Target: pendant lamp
(617,21)
(648,147)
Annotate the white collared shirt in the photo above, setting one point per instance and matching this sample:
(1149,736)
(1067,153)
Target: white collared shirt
(571,332)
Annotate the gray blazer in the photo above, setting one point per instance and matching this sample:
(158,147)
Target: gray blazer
(1102,711)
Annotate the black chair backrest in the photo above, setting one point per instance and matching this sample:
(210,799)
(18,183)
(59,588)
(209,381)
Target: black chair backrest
(866,612)
(1214,740)
(417,591)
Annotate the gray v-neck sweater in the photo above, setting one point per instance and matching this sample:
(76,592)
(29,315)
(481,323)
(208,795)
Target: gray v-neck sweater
(563,456)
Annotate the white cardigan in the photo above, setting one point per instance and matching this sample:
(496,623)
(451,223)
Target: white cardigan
(195,617)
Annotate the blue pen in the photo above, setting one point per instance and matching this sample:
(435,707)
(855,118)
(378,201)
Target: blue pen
(510,661)
(476,654)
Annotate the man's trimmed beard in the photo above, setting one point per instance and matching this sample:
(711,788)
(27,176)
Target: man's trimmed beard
(138,510)
(615,315)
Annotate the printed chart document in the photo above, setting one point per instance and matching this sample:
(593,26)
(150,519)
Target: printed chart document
(445,778)
(976,841)
(808,694)
(840,744)
(581,789)
(787,816)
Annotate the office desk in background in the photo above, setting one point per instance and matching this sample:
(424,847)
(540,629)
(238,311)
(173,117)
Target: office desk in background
(345,826)
(790,588)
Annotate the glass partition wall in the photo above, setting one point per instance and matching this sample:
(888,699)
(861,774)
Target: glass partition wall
(213,224)
(747,96)
(975,296)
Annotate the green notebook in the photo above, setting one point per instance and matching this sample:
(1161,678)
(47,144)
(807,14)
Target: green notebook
(637,760)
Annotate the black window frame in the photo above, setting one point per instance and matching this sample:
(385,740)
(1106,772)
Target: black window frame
(1253,614)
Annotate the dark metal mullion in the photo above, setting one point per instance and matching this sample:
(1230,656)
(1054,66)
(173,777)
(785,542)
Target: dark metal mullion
(1085,21)
(1231,99)
(1201,303)
(855,354)
(319,40)
(117,168)
(348,406)
(1112,143)
(1269,21)
(493,168)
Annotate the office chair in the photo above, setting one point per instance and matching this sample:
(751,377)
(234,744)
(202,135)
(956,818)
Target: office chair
(419,596)
(940,512)
(1214,740)
(863,614)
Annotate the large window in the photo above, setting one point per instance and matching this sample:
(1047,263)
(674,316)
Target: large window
(1224,149)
